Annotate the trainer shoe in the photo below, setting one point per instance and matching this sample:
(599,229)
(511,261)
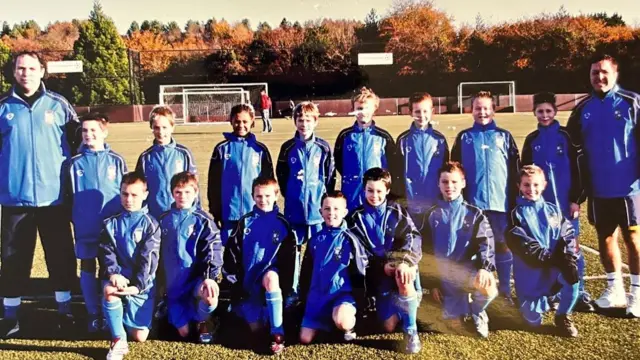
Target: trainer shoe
(412,342)
(565,326)
(349,335)
(205,335)
(161,310)
(507,299)
(94,324)
(584,303)
(481,323)
(66,323)
(9,328)
(277,343)
(119,348)
(633,304)
(612,297)
(291,301)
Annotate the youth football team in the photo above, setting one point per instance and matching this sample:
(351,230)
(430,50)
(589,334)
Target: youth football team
(157,247)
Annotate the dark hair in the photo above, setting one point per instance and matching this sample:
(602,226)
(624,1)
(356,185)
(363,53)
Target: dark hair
(450,167)
(31,53)
(103,119)
(265,181)
(604,57)
(418,98)
(133,177)
(336,194)
(184,178)
(377,174)
(237,109)
(545,97)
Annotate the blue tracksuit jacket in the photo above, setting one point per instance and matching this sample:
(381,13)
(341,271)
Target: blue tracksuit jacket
(34,144)
(235,163)
(305,172)
(130,246)
(159,164)
(490,159)
(606,129)
(423,154)
(191,250)
(358,150)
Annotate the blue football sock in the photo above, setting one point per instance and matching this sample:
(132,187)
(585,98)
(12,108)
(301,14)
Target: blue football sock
(274,311)
(11,312)
(479,302)
(89,287)
(114,313)
(204,311)
(408,312)
(504,264)
(581,268)
(296,270)
(568,298)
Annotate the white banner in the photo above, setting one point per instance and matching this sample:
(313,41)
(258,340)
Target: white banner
(65,66)
(375,59)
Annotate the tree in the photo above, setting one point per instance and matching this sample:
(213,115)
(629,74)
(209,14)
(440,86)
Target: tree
(6,29)
(134,27)
(263,27)
(610,21)
(105,79)
(5,54)
(285,24)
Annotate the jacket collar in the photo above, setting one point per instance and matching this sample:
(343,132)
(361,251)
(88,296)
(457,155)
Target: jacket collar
(490,126)
(608,94)
(414,129)
(84,149)
(342,227)
(450,205)
(136,214)
(537,204)
(378,210)
(367,129)
(250,137)
(261,213)
(554,126)
(298,138)
(170,145)
(183,211)
(42,90)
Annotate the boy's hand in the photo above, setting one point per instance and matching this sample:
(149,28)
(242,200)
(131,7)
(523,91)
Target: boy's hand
(129,290)
(209,288)
(483,279)
(405,273)
(437,295)
(118,281)
(574,210)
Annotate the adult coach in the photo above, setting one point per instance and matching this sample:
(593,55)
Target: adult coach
(605,126)
(265,110)
(37,133)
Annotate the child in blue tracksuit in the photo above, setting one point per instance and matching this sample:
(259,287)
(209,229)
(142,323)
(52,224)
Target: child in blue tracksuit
(333,270)
(394,246)
(305,173)
(162,160)
(543,241)
(259,261)
(490,158)
(129,255)
(361,147)
(93,185)
(191,256)
(235,163)
(423,151)
(459,243)
(550,148)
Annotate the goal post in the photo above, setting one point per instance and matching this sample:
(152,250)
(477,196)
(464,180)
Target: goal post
(511,85)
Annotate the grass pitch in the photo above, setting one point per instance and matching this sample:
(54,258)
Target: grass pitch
(601,335)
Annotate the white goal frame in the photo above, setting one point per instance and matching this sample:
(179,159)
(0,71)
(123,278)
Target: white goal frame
(182,118)
(512,91)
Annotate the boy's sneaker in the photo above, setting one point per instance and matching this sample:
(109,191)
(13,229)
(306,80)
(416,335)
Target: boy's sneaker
(277,343)
(633,304)
(205,335)
(565,326)
(94,325)
(119,348)
(612,297)
(584,303)
(291,301)
(9,328)
(412,342)
(349,335)
(66,323)
(507,299)
(161,310)
(481,324)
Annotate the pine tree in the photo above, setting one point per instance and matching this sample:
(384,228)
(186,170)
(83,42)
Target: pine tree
(5,54)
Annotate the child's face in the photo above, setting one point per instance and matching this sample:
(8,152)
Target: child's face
(545,113)
(532,186)
(265,197)
(93,134)
(132,196)
(421,113)
(162,130)
(306,124)
(451,185)
(334,211)
(483,111)
(185,195)
(365,110)
(376,192)
(242,123)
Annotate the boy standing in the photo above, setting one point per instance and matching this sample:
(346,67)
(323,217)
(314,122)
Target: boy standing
(265,109)
(129,252)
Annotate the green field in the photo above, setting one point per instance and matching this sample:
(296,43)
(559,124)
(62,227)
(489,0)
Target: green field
(601,336)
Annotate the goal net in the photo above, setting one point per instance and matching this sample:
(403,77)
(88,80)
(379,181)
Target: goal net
(504,94)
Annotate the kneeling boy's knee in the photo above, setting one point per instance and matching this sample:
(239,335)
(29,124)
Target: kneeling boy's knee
(140,335)
(271,281)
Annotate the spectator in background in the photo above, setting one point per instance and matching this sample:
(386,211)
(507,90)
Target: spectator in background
(265,109)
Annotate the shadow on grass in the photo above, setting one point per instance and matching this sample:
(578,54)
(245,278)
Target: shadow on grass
(93,353)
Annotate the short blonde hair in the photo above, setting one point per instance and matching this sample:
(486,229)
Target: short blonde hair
(484,95)
(366,94)
(304,108)
(418,98)
(162,110)
(531,170)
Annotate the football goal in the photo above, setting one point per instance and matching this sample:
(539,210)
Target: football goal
(504,94)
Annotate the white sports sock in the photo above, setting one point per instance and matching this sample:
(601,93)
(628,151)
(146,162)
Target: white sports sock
(63,296)
(614,278)
(14,301)
(635,282)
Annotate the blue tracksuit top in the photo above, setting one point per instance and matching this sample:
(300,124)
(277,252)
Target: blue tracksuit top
(490,159)
(262,241)
(130,246)
(191,250)
(358,150)
(159,164)
(235,163)
(537,227)
(551,149)
(606,129)
(34,144)
(305,172)
(423,154)
(93,182)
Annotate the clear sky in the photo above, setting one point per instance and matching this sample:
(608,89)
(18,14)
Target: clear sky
(123,12)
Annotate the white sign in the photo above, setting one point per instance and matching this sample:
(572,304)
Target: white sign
(375,59)
(66,66)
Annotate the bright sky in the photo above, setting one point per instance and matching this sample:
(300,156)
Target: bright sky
(123,12)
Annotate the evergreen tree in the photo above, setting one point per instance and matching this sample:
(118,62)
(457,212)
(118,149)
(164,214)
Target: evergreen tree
(133,28)
(5,59)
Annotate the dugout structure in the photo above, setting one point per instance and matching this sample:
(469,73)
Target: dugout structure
(501,101)
(208,103)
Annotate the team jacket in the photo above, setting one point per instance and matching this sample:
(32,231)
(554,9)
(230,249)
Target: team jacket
(358,150)
(158,164)
(490,159)
(607,130)
(551,149)
(423,153)
(34,143)
(93,184)
(130,246)
(388,234)
(457,238)
(191,250)
(542,239)
(262,241)
(334,263)
(305,172)
(235,163)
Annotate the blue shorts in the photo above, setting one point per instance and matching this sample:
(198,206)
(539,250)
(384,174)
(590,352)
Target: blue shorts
(182,310)
(137,309)
(499,222)
(304,232)
(86,250)
(387,305)
(252,309)
(318,314)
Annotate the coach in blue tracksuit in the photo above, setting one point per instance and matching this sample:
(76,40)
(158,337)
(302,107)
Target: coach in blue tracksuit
(38,130)
(605,126)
